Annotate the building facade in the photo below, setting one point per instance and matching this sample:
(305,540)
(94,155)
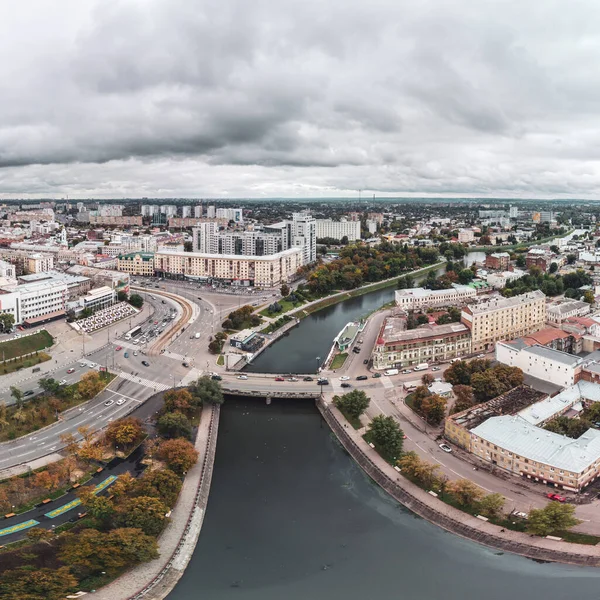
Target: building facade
(561,311)
(416,298)
(498,261)
(327,228)
(136,263)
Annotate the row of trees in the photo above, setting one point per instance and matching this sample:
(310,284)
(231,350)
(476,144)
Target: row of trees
(551,285)
(432,407)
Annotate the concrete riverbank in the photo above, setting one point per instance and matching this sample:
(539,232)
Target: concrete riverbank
(155,580)
(445,516)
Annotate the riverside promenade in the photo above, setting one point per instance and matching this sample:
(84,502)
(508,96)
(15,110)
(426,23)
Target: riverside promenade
(453,520)
(156,579)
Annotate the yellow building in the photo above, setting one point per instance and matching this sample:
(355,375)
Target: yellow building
(136,263)
(504,319)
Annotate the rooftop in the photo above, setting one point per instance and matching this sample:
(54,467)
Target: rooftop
(393,330)
(420,292)
(545,336)
(498,302)
(556,355)
(568,306)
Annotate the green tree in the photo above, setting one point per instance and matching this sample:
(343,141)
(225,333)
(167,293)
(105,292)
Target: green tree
(188,246)
(422,320)
(285,290)
(464,397)
(571,258)
(387,436)
(553,267)
(163,484)
(122,296)
(465,492)
(136,300)
(49,385)
(465,276)
(174,425)
(7,322)
(27,583)
(143,512)
(552,519)
(207,391)
(426,473)
(17,394)
(491,505)
(353,403)
(521,261)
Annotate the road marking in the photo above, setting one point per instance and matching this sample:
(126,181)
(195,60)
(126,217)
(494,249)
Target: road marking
(386,382)
(160,387)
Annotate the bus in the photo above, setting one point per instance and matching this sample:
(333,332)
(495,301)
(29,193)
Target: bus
(135,331)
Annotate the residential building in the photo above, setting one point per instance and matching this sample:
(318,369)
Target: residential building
(555,338)
(185,222)
(539,257)
(397,347)
(204,238)
(39,263)
(198,211)
(499,280)
(498,261)
(327,228)
(211,212)
(170,210)
(116,221)
(230,214)
(186,211)
(541,362)
(466,236)
(562,310)
(504,318)
(100,277)
(415,298)
(304,235)
(149,210)
(136,263)
(262,271)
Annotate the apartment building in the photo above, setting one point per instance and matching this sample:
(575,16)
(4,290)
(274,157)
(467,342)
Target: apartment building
(116,221)
(39,263)
(504,318)
(562,310)
(415,298)
(465,236)
(230,214)
(540,258)
(136,263)
(327,228)
(263,271)
(498,261)
(397,347)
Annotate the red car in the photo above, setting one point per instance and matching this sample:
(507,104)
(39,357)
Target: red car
(118,348)
(556,497)
(279,379)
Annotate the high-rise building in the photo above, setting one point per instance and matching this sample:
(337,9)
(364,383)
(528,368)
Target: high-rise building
(186,211)
(326,228)
(204,238)
(149,210)
(198,211)
(168,209)
(304,235)
(211,212)
(230,214)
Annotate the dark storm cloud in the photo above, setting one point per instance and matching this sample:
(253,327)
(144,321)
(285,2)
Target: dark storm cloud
(232,97)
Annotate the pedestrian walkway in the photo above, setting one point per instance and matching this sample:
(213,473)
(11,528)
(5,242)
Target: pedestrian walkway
(157,387)
(175,356)
(386,382)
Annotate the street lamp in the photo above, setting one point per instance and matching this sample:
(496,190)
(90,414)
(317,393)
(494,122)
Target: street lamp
(318,359)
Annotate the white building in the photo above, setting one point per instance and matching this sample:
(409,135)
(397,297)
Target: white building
(499,280)
(42,299)
(98,298)
(414,298)
(149,210)
(204,238)
(211,212)
(168,209)
(198,211)
(230,214)
(466,236)
(560,311)
(540,362)
(304,236)
(327,228)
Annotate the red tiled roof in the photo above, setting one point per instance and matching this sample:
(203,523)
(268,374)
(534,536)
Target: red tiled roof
(545,336)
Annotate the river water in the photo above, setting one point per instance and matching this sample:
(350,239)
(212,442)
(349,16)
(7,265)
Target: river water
(290,516)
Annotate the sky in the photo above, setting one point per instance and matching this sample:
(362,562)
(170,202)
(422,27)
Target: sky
(307,98)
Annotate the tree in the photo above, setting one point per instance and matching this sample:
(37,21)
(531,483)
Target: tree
(207,391)
(179,401)
(553,267)
(464,397)
(37,534)
(588,297)
(353,403)
(180,455)
(7,322)
(174,425)
(387,436)
(491,505)
(422,320)
(143,512)
(344,240)
(136,300)
(26,583)
(571,258)
(465,276)
(122,296)
(458,373)
(434,409)
(127,432)
(163,484)
(427,474)
(49,385)
(465,492)
(427,379)
(552,519)
(555,249)
(17,394)
(89,385)
(188,246)
(99,507)
(285,290)
(420,393)
(521,261)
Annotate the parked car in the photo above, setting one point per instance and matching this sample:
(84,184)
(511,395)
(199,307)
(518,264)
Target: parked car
(135,353)
(366,361)
(109,403)
(521,515)
(556,497)
(145,363)
(344,378)
(185,364)
(71,370)
(445,448)
(292,379)
(242,377)
(406,371)
(346,385)
(308,378)
(435,368)
(216,377)
(279,379)
(356,350)
(362,377)
(376,375)
(118,348)
(28,393)
(63,382)
(126,354)
(322,381)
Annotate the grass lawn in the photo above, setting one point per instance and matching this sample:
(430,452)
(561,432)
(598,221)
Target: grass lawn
(25,345)
(285,304)
(352,420)
(389,459)
(271,327)
(339,360)
(579,538)
(24,363)
(221,360)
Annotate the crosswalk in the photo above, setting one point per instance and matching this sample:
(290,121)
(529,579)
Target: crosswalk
(386,382)
(158,387)
(174,355)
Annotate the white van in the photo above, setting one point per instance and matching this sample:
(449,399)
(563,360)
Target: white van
(197,336)
(391,372)
(422,367)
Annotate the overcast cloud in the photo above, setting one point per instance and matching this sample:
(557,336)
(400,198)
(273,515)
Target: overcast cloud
(251,98)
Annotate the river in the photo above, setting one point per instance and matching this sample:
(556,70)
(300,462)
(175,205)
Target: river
(291,516)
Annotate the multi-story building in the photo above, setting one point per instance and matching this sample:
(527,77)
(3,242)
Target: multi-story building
(304,235)
(149,210)
(263,271)
(39,263)
(230,214)
(186,211)
(499,280)
(198,211)
(327,228)
(42,300)
(415,298)
(504,318)
(539,257)
(116,221)
(397,347)
(204,238)
(563,310)
(465,236)
(541,362)
(169,209)
(185,222)
(498,260)
(98,298)
(211,211)
(136,263)
(113,279)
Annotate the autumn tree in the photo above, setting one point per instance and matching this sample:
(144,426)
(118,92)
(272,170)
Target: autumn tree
(25,583)
(465,492)
(163,484)
(491,505)
(552,519)
(434,409)
(125,433)
(353,403)
(207,391)
(285,290)
(89,385)
(426,473)
(179,400)
(123,485)
(143,512)
(174,425)
(420,393)
(180,455)
(427,379)
(38,534)
(17,394)
(464,397)
(387,436)
(45,480)
(99,507)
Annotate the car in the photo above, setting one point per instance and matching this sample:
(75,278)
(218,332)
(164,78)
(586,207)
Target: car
(135,353)
(322,382)
(145,363)
(362,377)
(366,361)
(242,376)
(216,377)
(556,497)
(109,403)
(292,379)
(28,393)
(121,401)
(118,348)
(308,378)
(126,354)
(445,448)
(361,341)
(279,379)
(156,322)
(185,364)
(520,514)
(376,375)
(82,364)
(356,350)
(344,378)
(406,371)
(63,382)
(346,385)
(481,356)
(435,368)
(71,370)
(438,379)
